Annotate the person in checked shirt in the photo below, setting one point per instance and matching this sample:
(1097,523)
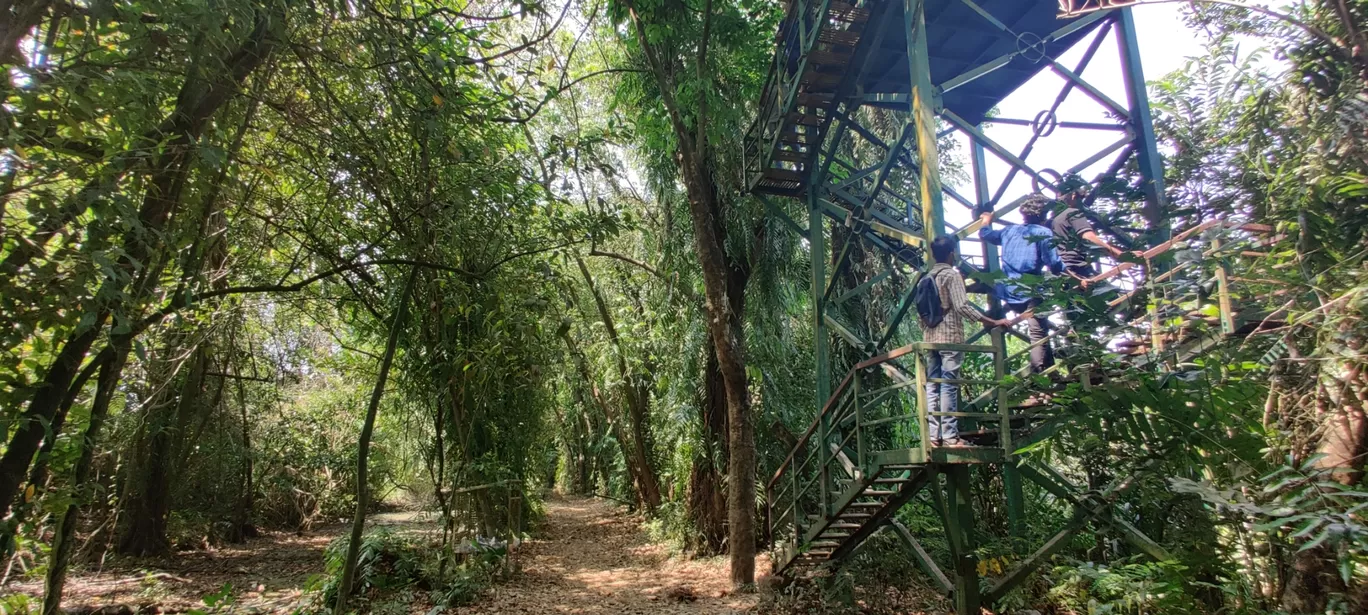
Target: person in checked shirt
(945,364)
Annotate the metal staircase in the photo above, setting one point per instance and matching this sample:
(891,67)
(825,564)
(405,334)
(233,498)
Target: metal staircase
(869,181)
(820,42)
(864,458)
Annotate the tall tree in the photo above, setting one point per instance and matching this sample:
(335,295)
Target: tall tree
(674,43)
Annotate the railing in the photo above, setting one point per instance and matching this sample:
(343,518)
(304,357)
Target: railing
(863,427)
(854,435)
(797,36)
(485,515)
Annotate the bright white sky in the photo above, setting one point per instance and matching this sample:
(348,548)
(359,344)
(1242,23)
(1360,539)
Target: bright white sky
(1166,44)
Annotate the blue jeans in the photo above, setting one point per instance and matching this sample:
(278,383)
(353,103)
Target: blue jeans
(942,396)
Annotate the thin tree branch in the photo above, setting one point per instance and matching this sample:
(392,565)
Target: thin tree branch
(667,93)
(701,139)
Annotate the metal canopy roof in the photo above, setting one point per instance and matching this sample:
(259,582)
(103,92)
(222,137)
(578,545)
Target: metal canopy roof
(960,39)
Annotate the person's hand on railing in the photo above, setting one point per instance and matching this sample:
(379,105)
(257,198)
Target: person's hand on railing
(994,323)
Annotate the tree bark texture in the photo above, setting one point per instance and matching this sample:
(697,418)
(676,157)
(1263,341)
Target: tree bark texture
(724,321)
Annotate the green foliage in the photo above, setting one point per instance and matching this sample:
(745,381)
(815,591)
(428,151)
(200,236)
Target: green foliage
(1149,587)
(1303,505)
(393,565)
(17,604)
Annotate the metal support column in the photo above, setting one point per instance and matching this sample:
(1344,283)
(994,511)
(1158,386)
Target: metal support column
(924,108)
(959,530)
(984,197)
(817,257)
(1011,476)
(1142,122)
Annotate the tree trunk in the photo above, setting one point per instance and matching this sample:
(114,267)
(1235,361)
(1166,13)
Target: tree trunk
(363,445)
(614,423)
(149,504)
(39,474)
(196,104)
(60,556)
(707,492)
(637,396)
(725,328)
(724,321)
(1314,575)
(243,528)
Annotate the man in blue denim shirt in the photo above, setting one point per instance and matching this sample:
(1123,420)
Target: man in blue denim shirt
(1027,249)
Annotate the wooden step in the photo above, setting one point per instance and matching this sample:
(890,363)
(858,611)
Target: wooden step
(805,119)
(878,494)
(845,526)
(826,543)
(867,505)
(783,175)
(814,79)
(789,156)
(856,516)
(824,58)
(892,481)
(814,100)
(846,38)
(844,11)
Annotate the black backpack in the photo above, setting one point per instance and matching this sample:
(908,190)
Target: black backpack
(927,298)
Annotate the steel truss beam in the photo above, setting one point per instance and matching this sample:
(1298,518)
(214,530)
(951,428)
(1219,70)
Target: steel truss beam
(860,176)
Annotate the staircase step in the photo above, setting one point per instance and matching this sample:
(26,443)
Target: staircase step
(845,526)
(846,38)
(788,156)
(892,481)
(814,100)
(815,79)
(821,57)
(783,175)
(855,516)
(878,494)
(844,11)
(805,119)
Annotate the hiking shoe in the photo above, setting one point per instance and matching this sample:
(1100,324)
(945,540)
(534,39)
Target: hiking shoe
(955,442)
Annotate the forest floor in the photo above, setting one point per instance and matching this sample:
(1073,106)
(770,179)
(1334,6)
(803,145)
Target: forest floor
(267,574)
(590,557)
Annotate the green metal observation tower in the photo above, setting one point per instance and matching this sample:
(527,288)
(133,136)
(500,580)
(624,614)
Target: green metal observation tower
(845,153)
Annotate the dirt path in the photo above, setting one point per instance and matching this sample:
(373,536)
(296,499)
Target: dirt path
(267,574)
(591,558)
